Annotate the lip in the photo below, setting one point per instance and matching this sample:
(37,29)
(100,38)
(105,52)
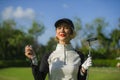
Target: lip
(62,35)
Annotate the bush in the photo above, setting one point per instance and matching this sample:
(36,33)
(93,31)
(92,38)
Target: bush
(24,63)
(14,63)
(105,63)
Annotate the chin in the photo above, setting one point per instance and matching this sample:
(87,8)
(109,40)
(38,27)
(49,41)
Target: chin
(62,39)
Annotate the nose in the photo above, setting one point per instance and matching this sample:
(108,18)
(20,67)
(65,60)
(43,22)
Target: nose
(62,29)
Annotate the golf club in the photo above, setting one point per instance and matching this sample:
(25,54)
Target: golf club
(89,54)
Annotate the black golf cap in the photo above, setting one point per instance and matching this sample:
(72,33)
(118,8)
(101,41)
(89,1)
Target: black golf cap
(66,20)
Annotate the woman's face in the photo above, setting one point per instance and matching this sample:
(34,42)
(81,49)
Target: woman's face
(63,33)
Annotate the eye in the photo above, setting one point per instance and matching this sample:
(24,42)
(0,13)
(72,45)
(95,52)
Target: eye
(59,27)
(66,27)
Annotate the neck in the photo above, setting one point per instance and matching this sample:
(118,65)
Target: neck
(64,43)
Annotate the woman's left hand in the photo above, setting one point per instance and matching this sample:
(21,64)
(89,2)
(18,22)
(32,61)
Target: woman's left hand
(87,63)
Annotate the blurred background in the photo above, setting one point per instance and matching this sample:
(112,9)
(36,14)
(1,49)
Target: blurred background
(24,22)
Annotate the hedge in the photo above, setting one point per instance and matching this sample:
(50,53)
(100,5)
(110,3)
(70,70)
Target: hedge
(105,63)
(14,63)
(24,63)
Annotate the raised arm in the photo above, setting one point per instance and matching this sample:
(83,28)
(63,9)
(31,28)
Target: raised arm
(39,72)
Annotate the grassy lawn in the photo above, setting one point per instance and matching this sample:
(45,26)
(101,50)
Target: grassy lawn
(16,74)
(104,74)
(94,74)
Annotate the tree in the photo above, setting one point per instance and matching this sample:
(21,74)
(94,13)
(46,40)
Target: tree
(115,43)
(36,29)
(51,45)
(13,41)
(78,27)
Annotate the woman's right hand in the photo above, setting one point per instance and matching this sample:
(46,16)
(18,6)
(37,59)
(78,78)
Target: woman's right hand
(29,52)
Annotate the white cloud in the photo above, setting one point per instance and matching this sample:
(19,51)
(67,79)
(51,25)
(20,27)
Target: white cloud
(6,14)
(30,13)
(18,13)
(65,5)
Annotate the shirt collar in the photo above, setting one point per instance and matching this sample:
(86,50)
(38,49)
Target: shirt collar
(66,47)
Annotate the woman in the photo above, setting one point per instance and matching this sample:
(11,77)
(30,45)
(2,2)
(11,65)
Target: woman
(64,63)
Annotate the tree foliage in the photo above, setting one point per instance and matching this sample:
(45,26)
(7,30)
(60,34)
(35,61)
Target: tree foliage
(13,40)
(108,47)
(36,29)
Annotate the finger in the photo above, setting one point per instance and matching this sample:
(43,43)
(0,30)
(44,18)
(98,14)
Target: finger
(30,46)
(29,56)
(89,58)
(28,52)
(90,64)
(27,48)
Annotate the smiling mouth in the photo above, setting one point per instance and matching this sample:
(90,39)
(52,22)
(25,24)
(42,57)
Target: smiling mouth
(62,35)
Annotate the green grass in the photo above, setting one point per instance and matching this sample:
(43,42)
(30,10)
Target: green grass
(26,74)
(16,74)
(104,73)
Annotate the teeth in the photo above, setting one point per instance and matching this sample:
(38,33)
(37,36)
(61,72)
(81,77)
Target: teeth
(62,34)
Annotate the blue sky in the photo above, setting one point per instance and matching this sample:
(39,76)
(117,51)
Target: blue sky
(48,11)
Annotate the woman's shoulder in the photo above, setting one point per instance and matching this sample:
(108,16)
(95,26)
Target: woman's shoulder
(79,52)
(81,55)
(46,55)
